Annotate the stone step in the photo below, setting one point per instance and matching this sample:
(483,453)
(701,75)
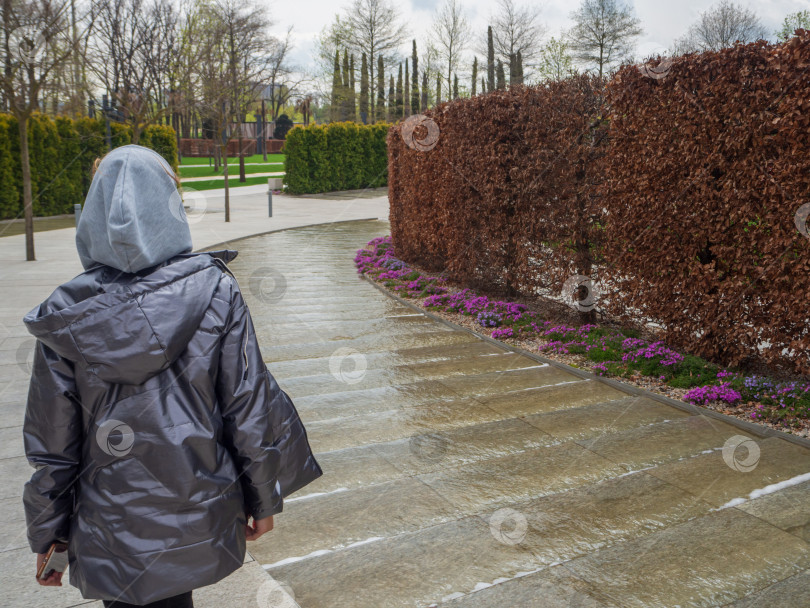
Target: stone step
(312,349)
(383,359)
(498,545)
(492,385)
(381,327)
(351,373)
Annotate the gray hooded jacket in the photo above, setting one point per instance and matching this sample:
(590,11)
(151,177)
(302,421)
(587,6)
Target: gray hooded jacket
(152,421)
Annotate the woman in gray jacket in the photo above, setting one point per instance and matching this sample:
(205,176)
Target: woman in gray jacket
(154,426)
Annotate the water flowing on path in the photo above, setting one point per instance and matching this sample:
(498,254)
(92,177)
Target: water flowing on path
(460,474)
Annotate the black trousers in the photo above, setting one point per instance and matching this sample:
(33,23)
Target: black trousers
(176,601)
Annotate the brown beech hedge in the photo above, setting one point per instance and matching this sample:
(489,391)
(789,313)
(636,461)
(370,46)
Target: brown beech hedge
(675,187)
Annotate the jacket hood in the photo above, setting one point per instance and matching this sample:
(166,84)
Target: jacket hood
(133,215)
(126,328)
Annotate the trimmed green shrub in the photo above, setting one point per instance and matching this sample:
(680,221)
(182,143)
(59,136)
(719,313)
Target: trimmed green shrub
(62,152)
(10,187)
(163,140)
(336,156)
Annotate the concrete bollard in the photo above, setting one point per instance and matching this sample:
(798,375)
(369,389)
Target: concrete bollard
(269,198)
(77,211)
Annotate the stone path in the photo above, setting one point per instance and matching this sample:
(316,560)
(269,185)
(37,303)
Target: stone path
(25,284)
(461,474)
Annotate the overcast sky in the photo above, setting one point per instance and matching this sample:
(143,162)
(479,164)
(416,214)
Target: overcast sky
(662,20)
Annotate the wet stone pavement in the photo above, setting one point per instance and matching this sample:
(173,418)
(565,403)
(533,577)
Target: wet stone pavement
(459,474)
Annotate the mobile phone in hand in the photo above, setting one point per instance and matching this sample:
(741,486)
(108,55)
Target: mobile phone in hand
(56,560)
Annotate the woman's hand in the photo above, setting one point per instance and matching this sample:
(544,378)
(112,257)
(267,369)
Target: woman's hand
(55,579)
(260,526)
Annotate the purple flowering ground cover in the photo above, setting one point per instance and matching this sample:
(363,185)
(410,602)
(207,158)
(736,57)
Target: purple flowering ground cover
(621,353)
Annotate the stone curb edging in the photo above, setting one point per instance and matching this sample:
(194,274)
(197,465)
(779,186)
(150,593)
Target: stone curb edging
(749,427)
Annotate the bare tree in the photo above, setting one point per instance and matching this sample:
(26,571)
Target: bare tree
(132,51)
(604,34)
(285,79)
(304,106)
(720,27)
(160,53)
(37,43)
(232,59)
(516,29)
(450,32)
(185,70)
(375,28)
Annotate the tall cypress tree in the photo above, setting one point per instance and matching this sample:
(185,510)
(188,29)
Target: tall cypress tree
(423,106)
(352,95)
(406,93)
(455,86)
(520,67)
(364,117)
(345,106)
(501,83)
(483,85)
(474,76)
(490,60)
(438,89)
(380,109)
(392,100)
(415,80)
(336,109)
(512,69)
(398,106)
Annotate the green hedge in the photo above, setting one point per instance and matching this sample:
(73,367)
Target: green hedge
(162,139)
(62,152)
(336,156)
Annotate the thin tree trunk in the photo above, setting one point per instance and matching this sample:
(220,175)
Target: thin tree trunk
(28,203)
(264,130)
(227,198)
(241,156)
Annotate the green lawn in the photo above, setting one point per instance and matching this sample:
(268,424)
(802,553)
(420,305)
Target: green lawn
(233,182)
(256,158)
(206,171)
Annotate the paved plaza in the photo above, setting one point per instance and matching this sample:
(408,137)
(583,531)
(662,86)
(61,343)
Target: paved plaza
(457,472)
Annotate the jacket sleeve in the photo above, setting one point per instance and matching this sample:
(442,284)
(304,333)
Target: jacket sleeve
(261,427)
(52,436)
